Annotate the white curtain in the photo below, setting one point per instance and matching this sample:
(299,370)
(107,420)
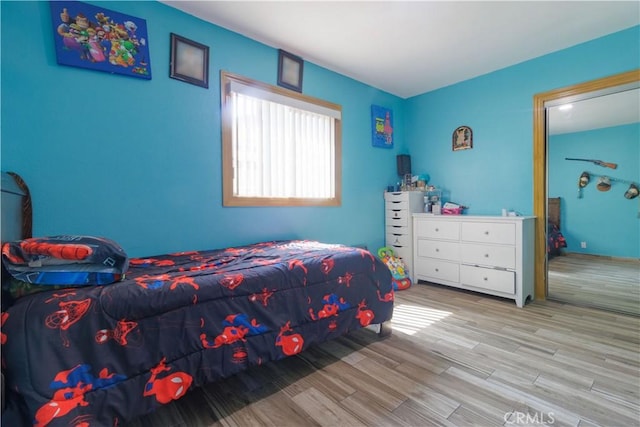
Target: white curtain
(280,151)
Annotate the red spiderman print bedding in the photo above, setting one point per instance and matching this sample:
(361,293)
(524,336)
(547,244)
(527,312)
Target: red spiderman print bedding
(100,355)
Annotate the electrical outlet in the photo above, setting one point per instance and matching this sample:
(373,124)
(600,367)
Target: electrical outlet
(583,245)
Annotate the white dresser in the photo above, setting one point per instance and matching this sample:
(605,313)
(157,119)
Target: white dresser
(399,206)
(489,254)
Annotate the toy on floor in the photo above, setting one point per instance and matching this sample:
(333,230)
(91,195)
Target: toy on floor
(399,275)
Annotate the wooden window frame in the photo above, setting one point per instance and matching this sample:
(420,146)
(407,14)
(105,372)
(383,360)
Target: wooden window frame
(228,198)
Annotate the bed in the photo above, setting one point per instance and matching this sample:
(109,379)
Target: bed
(555,240)
(102,355)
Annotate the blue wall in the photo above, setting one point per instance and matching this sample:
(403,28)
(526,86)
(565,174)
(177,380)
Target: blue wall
(498,172)
(606,221)
(140,161)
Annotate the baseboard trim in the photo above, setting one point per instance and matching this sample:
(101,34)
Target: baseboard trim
(595,256)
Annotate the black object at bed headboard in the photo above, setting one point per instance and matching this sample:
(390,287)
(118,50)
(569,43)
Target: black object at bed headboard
(553,211)
(17,218)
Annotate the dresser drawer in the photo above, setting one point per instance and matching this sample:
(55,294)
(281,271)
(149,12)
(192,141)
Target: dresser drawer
(398,230)
(489,279)
(398,240)
(438,229)
(402,205)
(397,218)
(437,270)
(487,232)
(439,249)
(400,196)
(494,256)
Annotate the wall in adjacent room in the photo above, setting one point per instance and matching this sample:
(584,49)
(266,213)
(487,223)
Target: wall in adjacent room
(498,171)
(140,161)
(605,220)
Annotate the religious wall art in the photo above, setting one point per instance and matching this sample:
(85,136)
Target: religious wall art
(462,138)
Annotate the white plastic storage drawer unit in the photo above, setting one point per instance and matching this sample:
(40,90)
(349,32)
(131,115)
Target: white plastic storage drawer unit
(399,206)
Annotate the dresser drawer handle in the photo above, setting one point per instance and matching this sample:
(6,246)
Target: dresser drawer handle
(485,279)
(486,255)
(437,229)
(437,250)
(437,270)
(486,233)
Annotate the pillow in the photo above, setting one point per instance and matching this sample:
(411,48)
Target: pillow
(65,260)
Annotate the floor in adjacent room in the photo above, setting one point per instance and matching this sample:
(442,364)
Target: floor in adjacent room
(596,281)
(455,358)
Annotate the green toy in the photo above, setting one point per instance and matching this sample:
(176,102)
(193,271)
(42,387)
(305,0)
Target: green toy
(397,268)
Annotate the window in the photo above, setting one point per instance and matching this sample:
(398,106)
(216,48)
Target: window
(279,148)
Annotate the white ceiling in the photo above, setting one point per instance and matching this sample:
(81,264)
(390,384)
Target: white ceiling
(409,48)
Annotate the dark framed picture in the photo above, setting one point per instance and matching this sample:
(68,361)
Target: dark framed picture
(100,39)
(290,71)
(189,61)
(462,138)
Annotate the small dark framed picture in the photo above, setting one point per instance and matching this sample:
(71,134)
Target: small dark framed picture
(462,138)
(189,61)
(290,71)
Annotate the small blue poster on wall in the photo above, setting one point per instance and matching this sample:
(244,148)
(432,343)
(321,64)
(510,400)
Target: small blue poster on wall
(382,126)
(100,39)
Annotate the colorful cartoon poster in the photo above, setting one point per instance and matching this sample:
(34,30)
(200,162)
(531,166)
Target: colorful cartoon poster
(100,39)
(382,126)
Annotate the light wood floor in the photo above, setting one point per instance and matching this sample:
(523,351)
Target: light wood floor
(611,284)
(455,359)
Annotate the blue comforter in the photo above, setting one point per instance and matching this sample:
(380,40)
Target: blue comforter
(103,355)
